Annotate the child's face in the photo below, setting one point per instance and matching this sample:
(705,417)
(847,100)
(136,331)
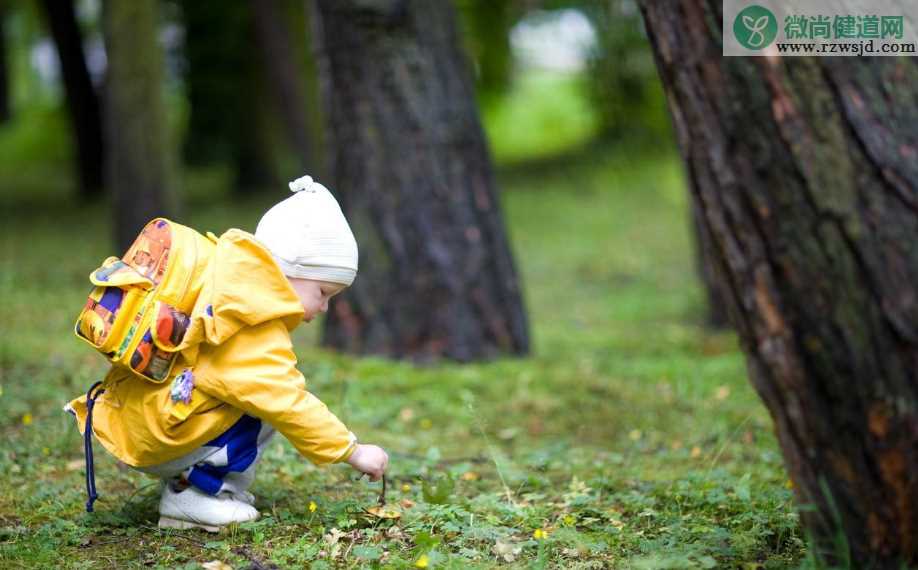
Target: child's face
(314,295)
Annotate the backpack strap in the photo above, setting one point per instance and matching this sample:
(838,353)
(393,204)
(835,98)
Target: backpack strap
(91,396)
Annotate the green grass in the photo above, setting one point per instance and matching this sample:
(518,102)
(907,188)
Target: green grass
(544,114)
(630,436)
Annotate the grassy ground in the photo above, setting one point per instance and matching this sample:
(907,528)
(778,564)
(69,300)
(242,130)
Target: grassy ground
(629,439)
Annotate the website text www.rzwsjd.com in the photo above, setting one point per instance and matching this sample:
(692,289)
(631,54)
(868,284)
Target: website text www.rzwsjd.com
(846,48)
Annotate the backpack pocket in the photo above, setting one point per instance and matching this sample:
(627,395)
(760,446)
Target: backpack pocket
(107,314)
(155,353)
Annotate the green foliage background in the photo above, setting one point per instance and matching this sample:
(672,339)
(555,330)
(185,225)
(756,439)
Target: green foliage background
(630,439)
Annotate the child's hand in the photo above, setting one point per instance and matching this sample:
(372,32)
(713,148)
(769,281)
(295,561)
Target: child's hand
(369,459)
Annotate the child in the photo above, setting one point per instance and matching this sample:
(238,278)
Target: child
(204,429)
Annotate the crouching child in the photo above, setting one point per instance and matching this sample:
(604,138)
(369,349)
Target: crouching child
(204,373)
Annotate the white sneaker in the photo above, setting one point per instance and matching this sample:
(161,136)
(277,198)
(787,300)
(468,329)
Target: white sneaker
(193,509)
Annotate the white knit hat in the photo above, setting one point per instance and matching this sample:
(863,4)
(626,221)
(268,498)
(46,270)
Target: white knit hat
(308,235)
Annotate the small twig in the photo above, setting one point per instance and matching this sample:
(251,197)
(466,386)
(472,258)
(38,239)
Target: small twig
(382,494)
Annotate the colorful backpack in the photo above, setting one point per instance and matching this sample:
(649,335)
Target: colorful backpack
(138,312)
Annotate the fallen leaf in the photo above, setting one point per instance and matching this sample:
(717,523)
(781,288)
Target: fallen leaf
(506,550)
(216,565)
(406,503)
(385,512)
(333,536)
(470,476)
(722,393)
(696,452)
(74,465)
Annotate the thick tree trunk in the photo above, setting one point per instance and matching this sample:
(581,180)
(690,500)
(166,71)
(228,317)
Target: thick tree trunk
(138,164)
(82,101)
(284,78)
(411,167)
(804,173)
(4,70)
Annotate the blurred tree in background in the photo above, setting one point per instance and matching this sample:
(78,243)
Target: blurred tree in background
(488,24)
(225,86)
(138,159)
(803,176)
(82,100)
(4,68)
(280,56)
(412,170)
(622,75)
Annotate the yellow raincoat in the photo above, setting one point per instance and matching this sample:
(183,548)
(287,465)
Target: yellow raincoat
(239,350)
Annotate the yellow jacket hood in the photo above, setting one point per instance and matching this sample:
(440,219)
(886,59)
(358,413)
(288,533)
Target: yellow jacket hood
(244,287)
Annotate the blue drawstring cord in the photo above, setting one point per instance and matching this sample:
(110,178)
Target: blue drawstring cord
(87,446)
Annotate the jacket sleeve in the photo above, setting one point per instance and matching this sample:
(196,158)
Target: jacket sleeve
(255,371)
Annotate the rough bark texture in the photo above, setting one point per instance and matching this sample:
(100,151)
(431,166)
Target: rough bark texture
(82,101)
(410,165)
(4,70)
(285,81)
(805,176)
(138,165)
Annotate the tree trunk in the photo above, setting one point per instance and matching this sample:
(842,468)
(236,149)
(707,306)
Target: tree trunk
(804,173)
(4,70)
(411,167)
(285,81)
(82,101)
(138,164)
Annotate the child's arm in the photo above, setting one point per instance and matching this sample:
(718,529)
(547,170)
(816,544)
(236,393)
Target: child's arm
(254,370)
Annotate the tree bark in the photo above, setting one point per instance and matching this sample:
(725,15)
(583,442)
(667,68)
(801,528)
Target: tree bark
(285,81)
(82,101)
(5,113)
(805,176)
(411,167)
(138,162)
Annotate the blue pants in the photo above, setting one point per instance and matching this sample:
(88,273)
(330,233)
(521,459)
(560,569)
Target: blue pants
(223,464)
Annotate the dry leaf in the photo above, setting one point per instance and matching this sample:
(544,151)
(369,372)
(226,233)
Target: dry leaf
(406,503)
(722,393)
(333,536)
(470,476)
(74,465)
(506,550)
(216,565)
(385,512)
